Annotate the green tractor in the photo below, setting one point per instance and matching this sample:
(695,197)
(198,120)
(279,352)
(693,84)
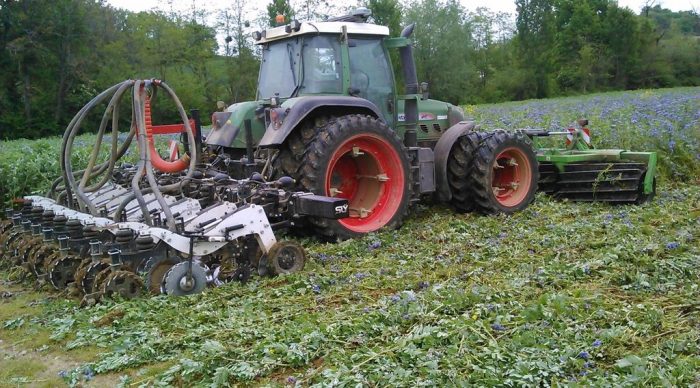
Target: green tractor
(329,114)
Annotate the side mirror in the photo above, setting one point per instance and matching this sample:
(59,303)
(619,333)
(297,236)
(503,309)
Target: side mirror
(424,90)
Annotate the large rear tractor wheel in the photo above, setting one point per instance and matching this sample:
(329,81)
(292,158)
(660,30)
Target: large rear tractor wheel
(359,158)
(504,173)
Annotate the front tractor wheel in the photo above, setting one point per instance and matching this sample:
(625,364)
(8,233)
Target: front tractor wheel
(505,173)
(358,158)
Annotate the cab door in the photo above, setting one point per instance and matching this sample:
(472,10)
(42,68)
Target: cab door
(371,76)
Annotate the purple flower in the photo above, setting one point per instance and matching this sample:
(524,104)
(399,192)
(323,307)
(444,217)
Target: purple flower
(597,343)
(672,245)
(316,289)
(497,327)
(375,245)
(291,380)
(584,355)
(361,275)
(395,298)
(423,285)
(62,374)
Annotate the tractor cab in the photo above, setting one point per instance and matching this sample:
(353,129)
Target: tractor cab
(344,58)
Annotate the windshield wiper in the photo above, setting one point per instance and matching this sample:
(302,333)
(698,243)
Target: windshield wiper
(291,62)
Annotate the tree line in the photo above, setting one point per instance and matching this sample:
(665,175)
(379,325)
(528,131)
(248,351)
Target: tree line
(56,56)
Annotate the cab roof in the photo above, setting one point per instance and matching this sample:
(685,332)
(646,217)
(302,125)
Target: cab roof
(335,27)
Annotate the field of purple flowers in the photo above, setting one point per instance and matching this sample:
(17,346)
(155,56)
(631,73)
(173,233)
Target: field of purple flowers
(559,294)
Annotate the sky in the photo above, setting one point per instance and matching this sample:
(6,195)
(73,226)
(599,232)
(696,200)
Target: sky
(495,5)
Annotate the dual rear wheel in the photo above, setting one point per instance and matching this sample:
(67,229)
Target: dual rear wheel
(492,172)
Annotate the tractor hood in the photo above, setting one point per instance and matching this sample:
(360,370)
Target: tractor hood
(227,125)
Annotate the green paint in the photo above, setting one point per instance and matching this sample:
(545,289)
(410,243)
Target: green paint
(432,117)
(560,158)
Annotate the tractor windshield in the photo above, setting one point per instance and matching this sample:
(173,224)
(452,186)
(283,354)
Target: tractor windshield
(321,67)
(279,71)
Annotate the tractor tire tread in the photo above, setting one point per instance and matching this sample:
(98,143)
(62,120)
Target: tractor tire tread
(479,179)
(460,167)
(318,144)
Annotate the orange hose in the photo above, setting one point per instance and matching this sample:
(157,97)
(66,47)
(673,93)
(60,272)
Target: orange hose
(158,162)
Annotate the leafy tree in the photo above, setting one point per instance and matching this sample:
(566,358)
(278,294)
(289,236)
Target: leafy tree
(535,37)
(386,13)
(241,64)
(443,48)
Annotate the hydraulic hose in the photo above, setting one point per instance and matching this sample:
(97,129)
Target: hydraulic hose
(113,109)
(67,146)
(145,164)
(142,128)
(156,160)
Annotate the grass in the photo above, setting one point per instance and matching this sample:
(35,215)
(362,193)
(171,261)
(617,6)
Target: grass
(559,294)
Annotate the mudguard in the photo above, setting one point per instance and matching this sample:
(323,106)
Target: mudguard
(442,154)
(290,116)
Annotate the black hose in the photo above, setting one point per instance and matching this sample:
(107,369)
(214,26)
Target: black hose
(118,213)
(144,166)
(113,109)
(67,146)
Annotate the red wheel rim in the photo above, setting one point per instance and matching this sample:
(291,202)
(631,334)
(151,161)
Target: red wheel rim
(368,172)
(512,177)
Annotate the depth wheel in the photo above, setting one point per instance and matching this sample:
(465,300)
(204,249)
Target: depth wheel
(62,271)
(155,275)
(39,258)
(126,284)
(85,277)
(359,158)
(100,279)
(286,257)
(504,174)
(177,282)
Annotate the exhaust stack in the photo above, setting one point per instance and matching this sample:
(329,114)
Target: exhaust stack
(408,67)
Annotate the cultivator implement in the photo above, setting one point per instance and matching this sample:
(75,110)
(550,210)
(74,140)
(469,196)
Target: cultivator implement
(582,173)
(156,226)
